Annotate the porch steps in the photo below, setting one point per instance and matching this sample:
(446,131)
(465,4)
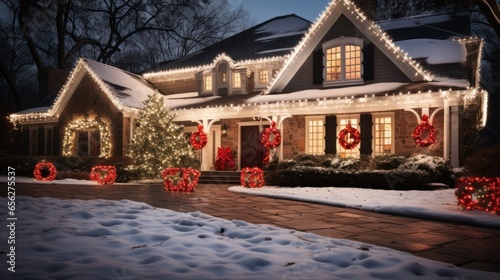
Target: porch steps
(220,177)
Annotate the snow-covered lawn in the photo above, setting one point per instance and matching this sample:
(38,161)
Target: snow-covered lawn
(102,239)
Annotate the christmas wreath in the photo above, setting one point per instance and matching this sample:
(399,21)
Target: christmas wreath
(424,126)
(45,171)
(275,141)
(199,138)
(180,179)
(252,177)
(103,174)
(347,133)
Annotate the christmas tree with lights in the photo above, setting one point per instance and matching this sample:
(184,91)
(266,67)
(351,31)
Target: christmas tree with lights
(158,142)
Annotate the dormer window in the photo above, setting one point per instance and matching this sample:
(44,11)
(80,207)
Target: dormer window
(264,76)
(208,83)
(236,80)
(343,61)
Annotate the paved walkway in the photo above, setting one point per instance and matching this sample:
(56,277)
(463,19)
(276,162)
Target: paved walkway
(462,245)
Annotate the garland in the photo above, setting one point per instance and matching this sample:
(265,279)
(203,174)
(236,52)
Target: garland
(224,160)
(478,193)
(417,133)
(252,177)
(199,138)
(180,179)
(103,174)
(45,171)
(268,143)
(347,133)
(72,127)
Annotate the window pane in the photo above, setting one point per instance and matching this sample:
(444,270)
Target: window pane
(333,64)
(315,136)
(83,143)
(237,80)
(208,83)
(353,62)
(383,135)
(264,76)
(95,143)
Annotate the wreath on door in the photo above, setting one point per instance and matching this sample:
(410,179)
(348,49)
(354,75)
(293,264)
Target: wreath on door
(349,137)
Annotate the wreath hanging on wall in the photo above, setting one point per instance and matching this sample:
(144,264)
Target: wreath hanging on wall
(349,137)
(424,126)
(199,138)
(45,171)
(274,141)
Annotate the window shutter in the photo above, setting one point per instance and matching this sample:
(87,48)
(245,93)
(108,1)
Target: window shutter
(369,62)
(55,141)
(318,67)
(366,124)
(330,134)
(41,141)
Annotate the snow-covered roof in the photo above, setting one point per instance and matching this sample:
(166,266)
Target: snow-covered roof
(435,51)
(275,37)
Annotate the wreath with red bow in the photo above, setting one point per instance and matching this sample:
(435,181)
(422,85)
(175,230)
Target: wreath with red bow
(45,171)
(199,138)
(424,126)
(103,174)
(349,133)
(180,179)
(266,137)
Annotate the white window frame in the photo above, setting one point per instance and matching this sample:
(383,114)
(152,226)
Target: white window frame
(383,115)
(205,77)
(342,42)
(234,80)
(309,145)
(267,78)
(354,153)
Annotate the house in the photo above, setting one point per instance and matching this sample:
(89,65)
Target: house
(310,79)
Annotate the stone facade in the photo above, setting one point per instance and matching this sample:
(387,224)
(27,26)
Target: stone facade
(293,136)
(405,123)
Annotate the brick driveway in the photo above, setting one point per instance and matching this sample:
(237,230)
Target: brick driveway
(467,246)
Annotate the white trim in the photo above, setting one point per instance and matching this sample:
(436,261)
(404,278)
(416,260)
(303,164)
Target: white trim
(393,130)
(306,132)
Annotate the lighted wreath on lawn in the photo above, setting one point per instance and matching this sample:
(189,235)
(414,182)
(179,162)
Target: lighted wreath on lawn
(199,138)
(424,126)
(478,193)
(349,137)
(72,127)
(45,171)
(271,138)
(252,177)
(180,179)
(103,174)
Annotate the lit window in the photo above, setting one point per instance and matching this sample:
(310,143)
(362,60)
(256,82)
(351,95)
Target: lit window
(315,135)
(208,83)
(383,135)
(342,122)
(223,77)
(236,80)
(88,143)
(343,60)
(263,76)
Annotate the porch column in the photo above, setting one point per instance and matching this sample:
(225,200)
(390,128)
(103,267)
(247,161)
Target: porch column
(205,159)
(454,135)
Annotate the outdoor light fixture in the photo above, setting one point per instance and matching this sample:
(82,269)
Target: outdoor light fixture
(224,130)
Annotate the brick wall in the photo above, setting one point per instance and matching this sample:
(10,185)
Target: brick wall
(89,99)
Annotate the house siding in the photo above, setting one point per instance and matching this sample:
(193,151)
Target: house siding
(385,69)
(88,98)
(177,86)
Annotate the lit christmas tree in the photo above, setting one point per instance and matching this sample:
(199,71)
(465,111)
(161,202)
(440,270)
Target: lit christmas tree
(158,142)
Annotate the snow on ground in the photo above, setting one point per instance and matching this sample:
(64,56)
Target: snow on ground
(102,239)
(436,205)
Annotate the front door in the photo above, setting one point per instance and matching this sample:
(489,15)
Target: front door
(252,150)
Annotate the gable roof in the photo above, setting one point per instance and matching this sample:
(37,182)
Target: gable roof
(371,30)
(275,37)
